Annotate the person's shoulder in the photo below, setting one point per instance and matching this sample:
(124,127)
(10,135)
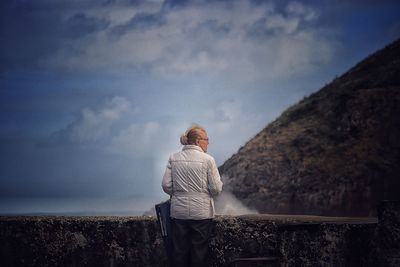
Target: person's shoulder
(176,155)
(207,157)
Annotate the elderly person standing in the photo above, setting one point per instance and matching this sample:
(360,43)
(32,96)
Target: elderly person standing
(192,180)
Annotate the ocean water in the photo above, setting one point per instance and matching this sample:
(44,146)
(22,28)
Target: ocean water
(78,206)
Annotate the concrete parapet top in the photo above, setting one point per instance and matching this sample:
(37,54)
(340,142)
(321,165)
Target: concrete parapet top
(274,218)
(76,218)
(295,219)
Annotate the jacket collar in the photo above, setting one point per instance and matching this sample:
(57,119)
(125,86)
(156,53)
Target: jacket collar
(192,147)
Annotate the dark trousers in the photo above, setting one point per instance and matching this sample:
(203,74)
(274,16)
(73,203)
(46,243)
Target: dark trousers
(190,242)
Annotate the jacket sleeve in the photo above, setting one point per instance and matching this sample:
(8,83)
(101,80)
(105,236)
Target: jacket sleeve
(214,179)
(167,179)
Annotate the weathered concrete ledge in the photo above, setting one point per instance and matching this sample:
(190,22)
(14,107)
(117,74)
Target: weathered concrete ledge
(286,240)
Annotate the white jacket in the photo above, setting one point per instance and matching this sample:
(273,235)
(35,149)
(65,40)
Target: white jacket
(192,179)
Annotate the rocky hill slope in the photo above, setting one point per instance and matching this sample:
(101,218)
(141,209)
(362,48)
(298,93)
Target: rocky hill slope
(336,152)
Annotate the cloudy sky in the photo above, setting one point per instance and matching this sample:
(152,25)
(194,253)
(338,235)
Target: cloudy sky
(95,94)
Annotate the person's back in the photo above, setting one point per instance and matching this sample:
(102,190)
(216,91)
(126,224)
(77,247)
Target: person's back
(192,179)
(194,184)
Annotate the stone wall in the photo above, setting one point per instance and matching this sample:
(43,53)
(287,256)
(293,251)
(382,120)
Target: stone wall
(275,240)
(80,241)
(386,240)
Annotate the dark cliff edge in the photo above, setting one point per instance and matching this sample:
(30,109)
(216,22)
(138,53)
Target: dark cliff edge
(334,153)
(273,240)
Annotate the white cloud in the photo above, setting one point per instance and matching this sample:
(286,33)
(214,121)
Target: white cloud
(282,24)
(137,140)
(235,40)
(93,125)
(297,8)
